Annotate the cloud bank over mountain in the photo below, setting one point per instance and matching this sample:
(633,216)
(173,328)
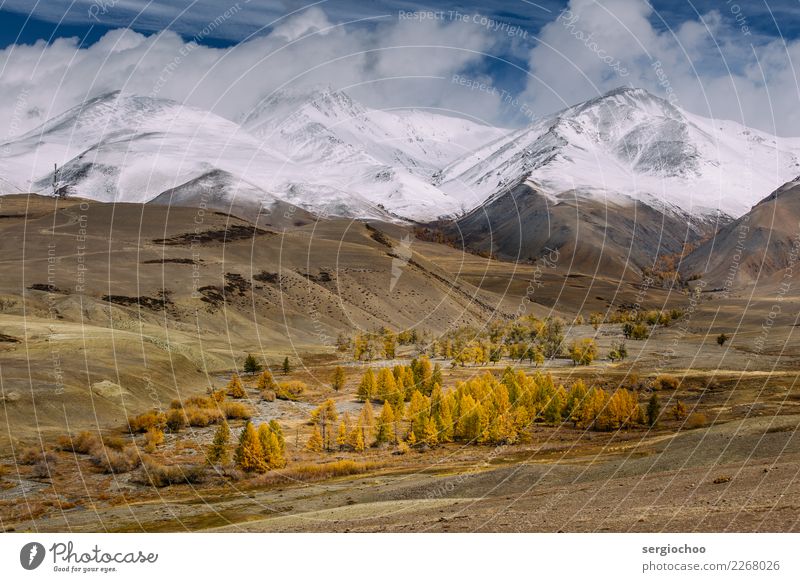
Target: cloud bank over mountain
(713,64)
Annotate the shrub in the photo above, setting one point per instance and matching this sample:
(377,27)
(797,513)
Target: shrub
(111,461)
(42,461)
(83,443)
(236,411)
(696,420)
(666,382)
(117,443)
(30,456)
(41,470)
(176,419)
(266,381)
(147,420)
(200,417)
(679,410)
(268,395)
(157,475)
(235,388)
(290,390)
(332,469)
(200,402)
(153,438)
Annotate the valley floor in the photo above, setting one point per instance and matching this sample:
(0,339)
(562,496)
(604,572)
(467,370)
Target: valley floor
(738,476)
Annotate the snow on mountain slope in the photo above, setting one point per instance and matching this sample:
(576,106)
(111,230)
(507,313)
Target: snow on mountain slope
(329,155)
(131,149)
(629,142)
(420,141)
(387,157)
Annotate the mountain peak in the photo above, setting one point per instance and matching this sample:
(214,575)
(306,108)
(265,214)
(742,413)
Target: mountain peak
(624,98)
(282,103)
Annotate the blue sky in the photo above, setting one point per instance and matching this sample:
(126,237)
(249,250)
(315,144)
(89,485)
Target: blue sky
(720,58)
(23,21)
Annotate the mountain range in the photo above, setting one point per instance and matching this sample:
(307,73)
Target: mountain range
(322,152)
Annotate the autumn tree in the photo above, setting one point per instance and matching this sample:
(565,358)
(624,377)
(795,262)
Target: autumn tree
(357,440)
(389,345)
(249,455)
(342,432)
(384,431)
(583,352)
(430,434)
(271,445)
(218,450)
(423,373)
(325,416)
(266,382)
(386,385)
(337,383)
(534,354)
(360,435)
(235,388)
(618,352)
(552,336)
(368,387)
(596,319)
(314,443)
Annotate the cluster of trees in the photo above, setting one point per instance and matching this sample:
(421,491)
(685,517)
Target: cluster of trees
(397,384)
(383,343)
(258,450)
(485,409)
(525,338)
(329,431)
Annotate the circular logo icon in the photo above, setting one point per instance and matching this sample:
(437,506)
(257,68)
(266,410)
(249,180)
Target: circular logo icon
(31,555)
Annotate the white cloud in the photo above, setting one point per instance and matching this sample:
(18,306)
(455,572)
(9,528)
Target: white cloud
(708,64)
(303,50)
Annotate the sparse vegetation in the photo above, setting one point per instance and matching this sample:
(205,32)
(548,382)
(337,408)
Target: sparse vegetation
(159,475)
(666,382)
(290,390)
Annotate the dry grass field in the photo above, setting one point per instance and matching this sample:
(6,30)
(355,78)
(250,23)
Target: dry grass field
(107,311)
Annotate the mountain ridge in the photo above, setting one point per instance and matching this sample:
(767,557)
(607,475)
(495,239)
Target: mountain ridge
(322,151)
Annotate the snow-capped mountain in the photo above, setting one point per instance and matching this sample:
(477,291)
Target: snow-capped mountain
(385,156)
(131,149)
(629,143)
(319,150)
(324,152)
